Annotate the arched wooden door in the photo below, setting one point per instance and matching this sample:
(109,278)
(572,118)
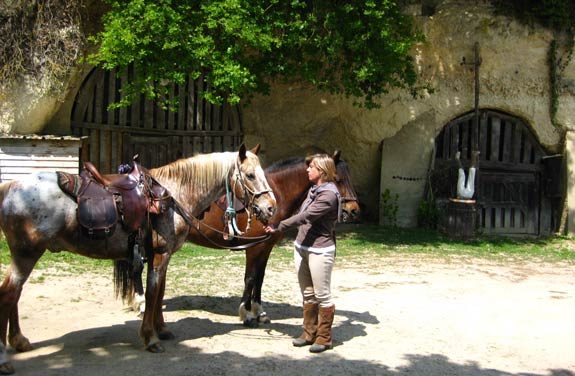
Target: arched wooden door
(158,136)
(511,187)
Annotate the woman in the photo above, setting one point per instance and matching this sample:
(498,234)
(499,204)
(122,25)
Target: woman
(314,253)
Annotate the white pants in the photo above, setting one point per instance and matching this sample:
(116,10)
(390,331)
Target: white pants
(314,275)
(466,189)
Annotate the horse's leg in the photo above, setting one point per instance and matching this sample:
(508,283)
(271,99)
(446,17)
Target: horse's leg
(153,317)
(160,325)
(245,308)
(257,307)
(15,336)
(249,312)
(10,291)
(147,332)
(139,300)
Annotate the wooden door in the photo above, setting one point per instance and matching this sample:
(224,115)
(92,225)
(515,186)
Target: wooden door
(508,181)
(159,136)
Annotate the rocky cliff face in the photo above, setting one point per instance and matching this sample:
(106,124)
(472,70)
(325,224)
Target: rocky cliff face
(40,51)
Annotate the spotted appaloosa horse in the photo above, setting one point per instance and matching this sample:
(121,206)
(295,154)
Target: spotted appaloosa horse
(290,183)
(36,215)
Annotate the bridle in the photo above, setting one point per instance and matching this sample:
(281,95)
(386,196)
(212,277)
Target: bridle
(230,214)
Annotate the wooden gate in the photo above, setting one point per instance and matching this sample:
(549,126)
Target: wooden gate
(509,182)
(159,136)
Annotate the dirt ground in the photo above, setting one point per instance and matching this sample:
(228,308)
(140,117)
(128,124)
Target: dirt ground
(396,317)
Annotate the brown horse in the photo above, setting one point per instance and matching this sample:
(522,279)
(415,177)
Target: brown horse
(35,215)
(289,181)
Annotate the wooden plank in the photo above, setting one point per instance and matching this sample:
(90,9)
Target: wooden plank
(171,114)
(191,106)
(160,116)
(483,136)
(208,108)
(453,142)
(124,111)
(464,138)
(528,153)
(111,115)
(495,139)
(40,162)
(99,101)
(506,139)
(182,107)
(41,150)
(197,146)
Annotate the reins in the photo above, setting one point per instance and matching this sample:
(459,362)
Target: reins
(190,219)
(230,216)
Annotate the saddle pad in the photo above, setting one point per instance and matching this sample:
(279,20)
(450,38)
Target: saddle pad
(69,183)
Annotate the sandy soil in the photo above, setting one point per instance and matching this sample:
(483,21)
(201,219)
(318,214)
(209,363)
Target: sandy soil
(397,317)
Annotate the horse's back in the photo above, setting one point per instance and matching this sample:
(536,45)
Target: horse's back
(37,200)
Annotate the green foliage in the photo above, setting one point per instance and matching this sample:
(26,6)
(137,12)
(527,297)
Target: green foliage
(357,48)
(362,240)
(427,214)
(389,207)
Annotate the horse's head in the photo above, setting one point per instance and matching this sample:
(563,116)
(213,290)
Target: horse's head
(350,207)
(250,185)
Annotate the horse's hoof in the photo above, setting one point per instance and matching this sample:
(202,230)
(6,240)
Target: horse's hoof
(155,348)
(20,343)
(264,319)
(251,323)
(165,335)
(6,369)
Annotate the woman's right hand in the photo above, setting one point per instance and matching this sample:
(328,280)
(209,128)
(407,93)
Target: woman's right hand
(270,229)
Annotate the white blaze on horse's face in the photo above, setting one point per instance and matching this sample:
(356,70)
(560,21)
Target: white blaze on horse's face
(251,186)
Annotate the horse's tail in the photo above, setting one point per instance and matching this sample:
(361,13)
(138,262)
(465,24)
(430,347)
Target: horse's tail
(4,187)
(124,280)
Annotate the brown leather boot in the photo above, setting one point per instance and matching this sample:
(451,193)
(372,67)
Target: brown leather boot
(310,317)
(323,338)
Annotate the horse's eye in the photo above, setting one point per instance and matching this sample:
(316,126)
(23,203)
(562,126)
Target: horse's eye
(251,176)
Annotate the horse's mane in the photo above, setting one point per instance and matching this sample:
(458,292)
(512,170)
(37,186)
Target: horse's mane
(284,164)
(200,172)
(344,178)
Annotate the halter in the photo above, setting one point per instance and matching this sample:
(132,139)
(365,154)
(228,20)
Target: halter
(230,214)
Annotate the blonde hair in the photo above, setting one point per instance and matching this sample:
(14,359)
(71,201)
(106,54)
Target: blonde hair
(325,165)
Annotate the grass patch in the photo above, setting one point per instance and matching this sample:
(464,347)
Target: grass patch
(359,244)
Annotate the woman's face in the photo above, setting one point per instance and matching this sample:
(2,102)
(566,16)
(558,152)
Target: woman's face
(313,173)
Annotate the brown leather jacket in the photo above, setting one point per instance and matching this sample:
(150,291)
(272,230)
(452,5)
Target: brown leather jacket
(316,218)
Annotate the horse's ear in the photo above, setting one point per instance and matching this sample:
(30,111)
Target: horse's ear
(256,149)
(242,152)
(336,156)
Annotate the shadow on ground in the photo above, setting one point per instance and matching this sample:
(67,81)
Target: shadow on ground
(117,350)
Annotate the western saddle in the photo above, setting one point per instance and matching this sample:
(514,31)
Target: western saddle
(103,199)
